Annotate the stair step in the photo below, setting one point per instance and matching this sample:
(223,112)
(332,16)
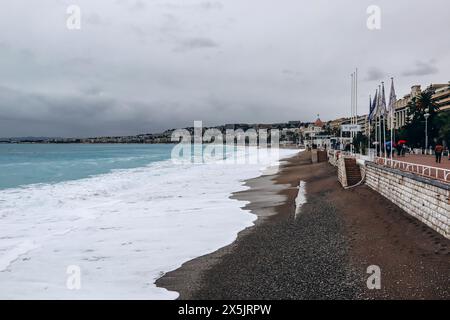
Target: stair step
(352,171)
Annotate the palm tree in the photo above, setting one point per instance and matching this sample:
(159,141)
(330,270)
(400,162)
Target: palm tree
(443,122)
(424,101)
(414,130)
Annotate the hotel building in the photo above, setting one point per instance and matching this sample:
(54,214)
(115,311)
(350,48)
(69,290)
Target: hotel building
(441,96)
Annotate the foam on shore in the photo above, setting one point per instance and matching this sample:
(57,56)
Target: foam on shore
(300,200)
(124,229)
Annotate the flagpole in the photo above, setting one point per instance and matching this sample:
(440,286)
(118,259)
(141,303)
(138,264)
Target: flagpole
(351,110)
(376,135)
(383,101)
(384,135)
(379,120)
(384,130)
(368,119)
(373,116)
(380,133)
(392,111)
(356,98)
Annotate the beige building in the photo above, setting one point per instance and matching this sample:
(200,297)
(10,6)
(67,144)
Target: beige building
(401,106)
(441,96)
(335,125)
(363,121)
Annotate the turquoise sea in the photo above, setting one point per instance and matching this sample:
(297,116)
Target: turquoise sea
(24,164)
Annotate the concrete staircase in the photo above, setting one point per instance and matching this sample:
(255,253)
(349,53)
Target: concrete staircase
(352,171)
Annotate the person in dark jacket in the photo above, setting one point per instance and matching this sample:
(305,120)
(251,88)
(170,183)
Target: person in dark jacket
(438,152)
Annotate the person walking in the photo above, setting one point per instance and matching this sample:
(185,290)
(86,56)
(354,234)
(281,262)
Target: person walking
(438,152)
(399,149)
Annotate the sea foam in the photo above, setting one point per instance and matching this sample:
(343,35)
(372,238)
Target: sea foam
(124,229)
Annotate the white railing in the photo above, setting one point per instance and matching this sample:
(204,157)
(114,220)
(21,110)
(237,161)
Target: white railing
(420,169)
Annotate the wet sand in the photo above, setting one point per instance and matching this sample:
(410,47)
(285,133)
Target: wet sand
(324,252)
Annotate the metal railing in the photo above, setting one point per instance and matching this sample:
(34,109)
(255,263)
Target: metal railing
(341,153)
(420,169)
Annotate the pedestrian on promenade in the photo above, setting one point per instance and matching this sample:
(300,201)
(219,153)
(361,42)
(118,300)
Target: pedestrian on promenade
(438,151)
(388,148)
(399,149)
(404,147)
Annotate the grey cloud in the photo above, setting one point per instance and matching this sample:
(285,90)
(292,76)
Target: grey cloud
(291,73)
(203,5)
(92,90)
(132,5)
(139,31)
(210,5)
(94,19)
(422,68)
(197,43)
(161,64)
(139,6)
(79,62)
(76,115)
(375,74)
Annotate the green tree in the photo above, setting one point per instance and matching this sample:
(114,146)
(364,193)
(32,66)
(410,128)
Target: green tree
(414,130)
(360,143)
(443,123)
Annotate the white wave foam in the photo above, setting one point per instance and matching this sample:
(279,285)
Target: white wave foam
(300,200)
(124,229)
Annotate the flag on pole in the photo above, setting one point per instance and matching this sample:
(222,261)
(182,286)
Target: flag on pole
(382,106)
(392,101)
(383,112)
(373,106)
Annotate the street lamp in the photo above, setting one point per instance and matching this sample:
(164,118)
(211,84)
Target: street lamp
(426,115)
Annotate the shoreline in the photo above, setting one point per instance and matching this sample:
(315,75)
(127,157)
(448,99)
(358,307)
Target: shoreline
(324,252)
(187,278)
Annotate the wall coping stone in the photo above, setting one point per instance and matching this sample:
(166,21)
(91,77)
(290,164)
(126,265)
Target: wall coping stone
(415,177)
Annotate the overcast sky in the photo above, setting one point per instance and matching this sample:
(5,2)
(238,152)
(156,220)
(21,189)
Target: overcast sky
(139,66)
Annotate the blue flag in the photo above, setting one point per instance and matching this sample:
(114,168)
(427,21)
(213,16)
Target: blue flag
(373,106)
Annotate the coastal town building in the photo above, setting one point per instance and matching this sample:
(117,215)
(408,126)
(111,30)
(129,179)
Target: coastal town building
(312,129)
(401,107)
(441,96)
(316,134)
(335,125)
(363,121)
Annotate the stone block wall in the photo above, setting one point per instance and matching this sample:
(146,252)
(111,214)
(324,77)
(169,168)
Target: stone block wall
(314,157)
(322,156)
(426,199)
(342,173)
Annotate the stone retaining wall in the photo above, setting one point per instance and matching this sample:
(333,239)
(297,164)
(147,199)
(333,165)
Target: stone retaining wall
(426,199)
(342,173)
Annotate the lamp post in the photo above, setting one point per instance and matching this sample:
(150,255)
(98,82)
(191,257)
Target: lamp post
(426,115)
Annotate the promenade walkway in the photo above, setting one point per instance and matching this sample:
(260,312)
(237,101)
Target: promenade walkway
(425,160)
(421,164)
